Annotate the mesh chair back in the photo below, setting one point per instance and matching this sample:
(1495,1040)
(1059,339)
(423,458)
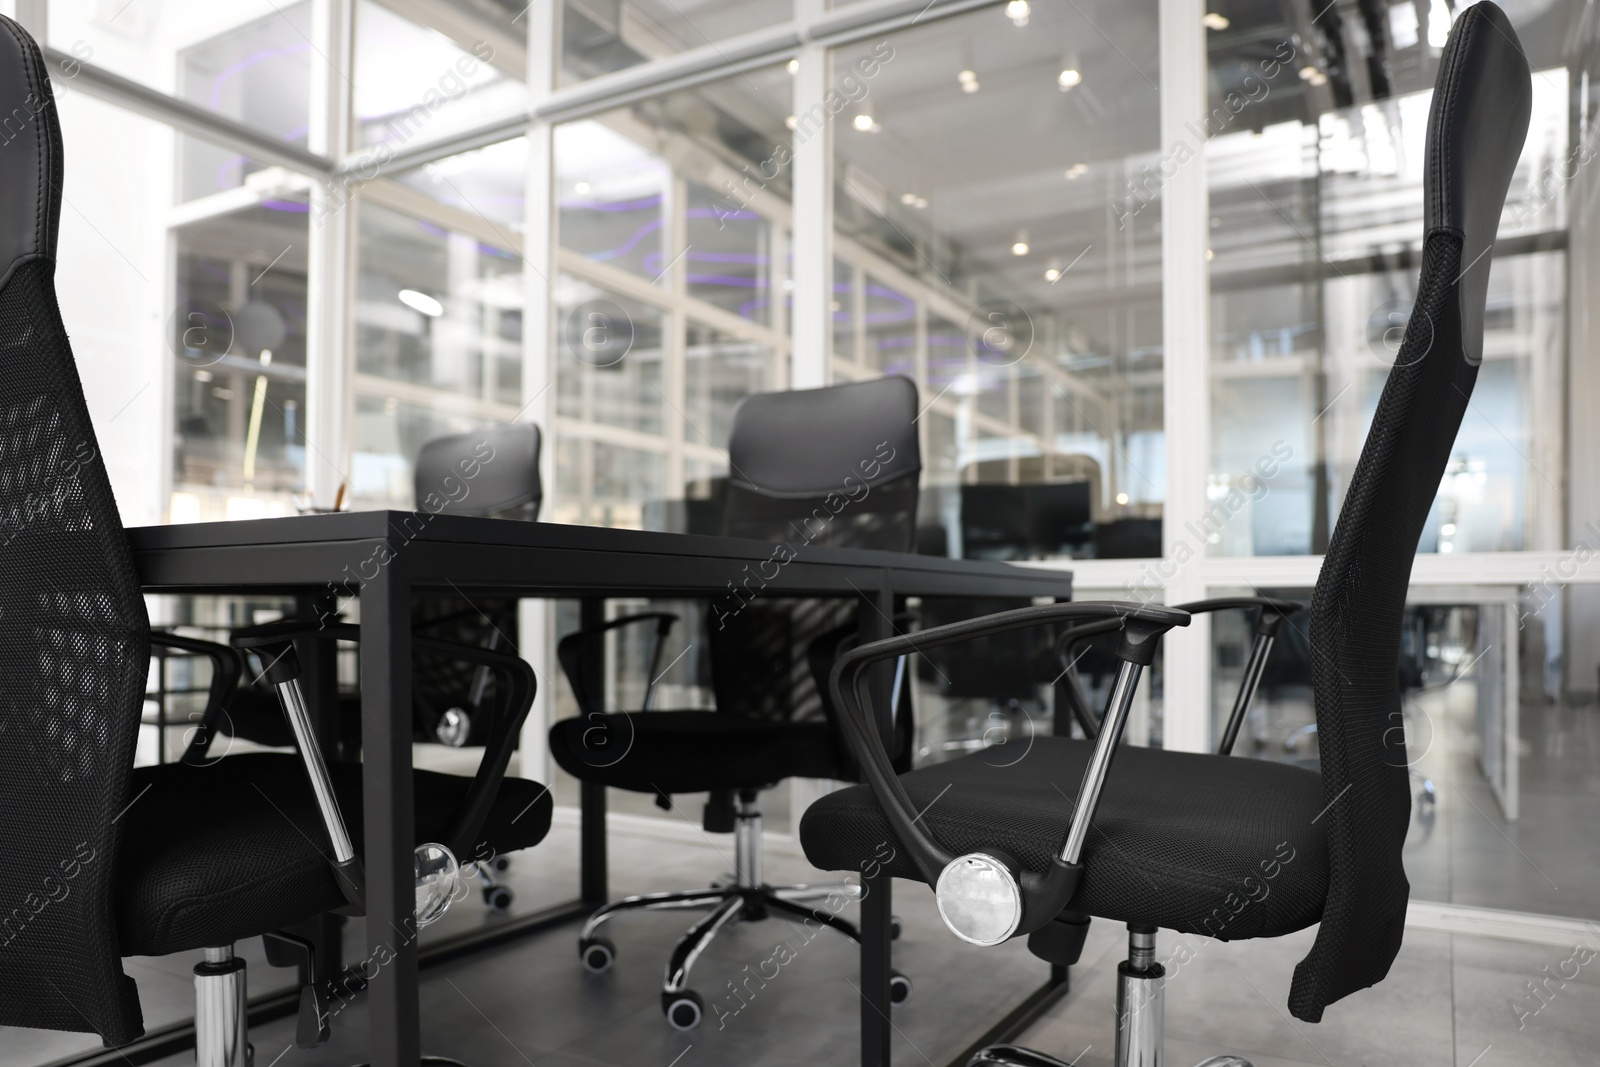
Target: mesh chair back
(835,466)
(74,638)
(1476,127)
(492,473)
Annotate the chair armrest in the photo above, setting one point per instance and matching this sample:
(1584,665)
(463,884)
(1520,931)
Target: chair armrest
(226,669)
(1273,611)
(1039,898)
(569,651)
(274,642)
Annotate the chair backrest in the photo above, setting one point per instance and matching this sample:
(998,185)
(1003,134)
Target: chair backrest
(492,472)
(836,466)
(74,637)
(1476,127)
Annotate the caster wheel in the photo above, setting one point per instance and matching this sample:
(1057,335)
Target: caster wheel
(899,988)
(499,898)
(683,1010)
(501,864)
(597,955)
(896,927)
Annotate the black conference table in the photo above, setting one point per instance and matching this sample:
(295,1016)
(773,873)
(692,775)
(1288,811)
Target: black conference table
(385,557)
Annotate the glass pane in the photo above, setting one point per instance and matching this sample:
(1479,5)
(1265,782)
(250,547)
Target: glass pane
(414,84)
(598,38)
(844,311)
(984,158)
(610,356)
(1317,223)
(729,257)
(438,309)
(610,194)
(388,435)
(604,484)
(486,182)
(720,370)
(239,336)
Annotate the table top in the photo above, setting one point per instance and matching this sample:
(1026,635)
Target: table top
(303,552)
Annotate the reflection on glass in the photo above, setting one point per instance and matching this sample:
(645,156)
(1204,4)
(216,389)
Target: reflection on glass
(437,309)
(238,335)
(388,435)
(610,355)
(486,182)
(720,370)
(414,84)
(976,193)
(600,38)
(728,257)
(610,195)
(1316,197)
(605,484)
(843,307)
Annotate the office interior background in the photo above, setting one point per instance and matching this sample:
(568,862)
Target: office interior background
(301,238)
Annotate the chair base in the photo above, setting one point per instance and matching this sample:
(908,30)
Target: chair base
(741,898)
(1141,992)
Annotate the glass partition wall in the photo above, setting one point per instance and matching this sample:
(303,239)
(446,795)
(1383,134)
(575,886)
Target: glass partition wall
(299,240)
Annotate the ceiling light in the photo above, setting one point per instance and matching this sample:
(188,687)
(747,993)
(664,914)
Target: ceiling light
(1017,11)
(1052,273)
(791,122)
(1070,78)
(1019,245)
(1122,498)
(865,124)
(421,302)
(794,66)
(1213,21)
(913,200)
(969,80)
(1319,78)
(1447,530)
(581,188)
(1307,73)
(1076,171)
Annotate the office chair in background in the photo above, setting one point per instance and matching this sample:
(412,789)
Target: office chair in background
(1208,844)
(115,861)
(493,472)
(835,466)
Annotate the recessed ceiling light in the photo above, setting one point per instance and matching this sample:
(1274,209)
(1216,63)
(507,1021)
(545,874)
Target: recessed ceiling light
(1307,73)
(864,123)
(1019,245)
(791,122)
(421,302)
(969,80)
(1018,11)
(794,66)
(1070,78)
(1052,273)
(1076,171)
(1319,78)
(1122,498)
(1213,21)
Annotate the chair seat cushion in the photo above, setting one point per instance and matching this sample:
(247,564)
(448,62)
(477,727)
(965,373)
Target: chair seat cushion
(219,853)
(1220,846)
(692,751)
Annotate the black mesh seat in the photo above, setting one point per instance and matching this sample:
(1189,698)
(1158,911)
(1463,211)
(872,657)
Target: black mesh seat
(1179,839)
(692,751)
(187,881)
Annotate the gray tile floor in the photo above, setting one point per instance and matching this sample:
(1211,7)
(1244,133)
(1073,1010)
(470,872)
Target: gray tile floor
(1448,1000)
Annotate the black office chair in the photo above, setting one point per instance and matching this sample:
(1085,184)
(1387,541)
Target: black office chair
(837,467)
(493,472)
(103,860)
(1202,843)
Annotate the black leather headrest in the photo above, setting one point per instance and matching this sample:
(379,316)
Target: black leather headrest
(1476,127)
(803,442)
(30,153)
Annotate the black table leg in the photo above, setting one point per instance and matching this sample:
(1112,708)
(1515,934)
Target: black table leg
(389,815)
(593,876)
(874,621)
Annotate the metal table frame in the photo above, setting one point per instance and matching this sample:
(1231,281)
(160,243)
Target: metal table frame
(383,556)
